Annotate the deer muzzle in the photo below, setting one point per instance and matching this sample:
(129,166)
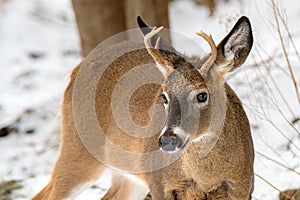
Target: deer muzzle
(169,141)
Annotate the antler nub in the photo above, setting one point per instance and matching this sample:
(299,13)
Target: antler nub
(154,52)
(213,56)
(157,43)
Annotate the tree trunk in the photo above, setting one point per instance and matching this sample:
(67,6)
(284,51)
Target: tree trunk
(97,20)
(154,12)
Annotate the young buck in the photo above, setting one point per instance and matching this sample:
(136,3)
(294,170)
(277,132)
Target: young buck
(205,124)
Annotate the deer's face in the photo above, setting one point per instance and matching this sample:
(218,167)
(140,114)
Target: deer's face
(186,100)
(192,94)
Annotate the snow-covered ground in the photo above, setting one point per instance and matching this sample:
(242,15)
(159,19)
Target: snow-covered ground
(39,46)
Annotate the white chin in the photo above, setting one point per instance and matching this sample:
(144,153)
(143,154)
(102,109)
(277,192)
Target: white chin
(175,151)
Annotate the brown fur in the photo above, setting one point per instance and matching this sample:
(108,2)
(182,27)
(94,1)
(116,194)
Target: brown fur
(225,173)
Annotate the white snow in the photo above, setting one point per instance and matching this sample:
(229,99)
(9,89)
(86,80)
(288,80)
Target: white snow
(31,88)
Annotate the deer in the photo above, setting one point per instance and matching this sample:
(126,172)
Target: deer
(202,126)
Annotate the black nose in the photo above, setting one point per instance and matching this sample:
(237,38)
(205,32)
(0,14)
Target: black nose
(168,141)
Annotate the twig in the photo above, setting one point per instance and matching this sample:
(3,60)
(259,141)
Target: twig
(285,52)
(271,60)
(282,165)
(290,36)
(273,186)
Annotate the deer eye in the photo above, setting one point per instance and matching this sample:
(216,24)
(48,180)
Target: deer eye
(164,98)
(202,97)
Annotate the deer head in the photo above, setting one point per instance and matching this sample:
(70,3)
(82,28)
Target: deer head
(189,85)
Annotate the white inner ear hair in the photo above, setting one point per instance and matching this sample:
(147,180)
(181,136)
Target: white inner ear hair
(237,40)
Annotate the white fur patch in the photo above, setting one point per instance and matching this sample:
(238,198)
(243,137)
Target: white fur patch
(163,130)
(77,190)
(136,180)
(180,132)
(139,188)
(228,53)
(138,194)
(131,177)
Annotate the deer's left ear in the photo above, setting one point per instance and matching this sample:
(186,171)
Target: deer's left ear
(235,47)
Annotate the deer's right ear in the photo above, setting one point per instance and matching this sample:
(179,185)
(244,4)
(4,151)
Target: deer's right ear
(235,47)
(145,29)
(159,48)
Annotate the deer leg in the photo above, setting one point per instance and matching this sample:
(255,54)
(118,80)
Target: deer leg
(75,170)
(242,189)
(123,188)
(157,193)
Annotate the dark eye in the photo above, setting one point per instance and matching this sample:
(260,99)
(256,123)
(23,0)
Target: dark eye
(164,98)
(202,97)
